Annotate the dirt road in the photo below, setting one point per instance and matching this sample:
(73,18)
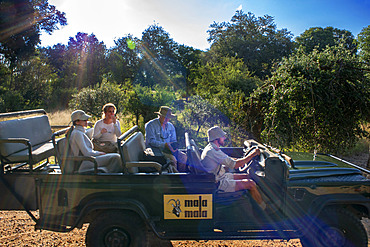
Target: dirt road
(17,229)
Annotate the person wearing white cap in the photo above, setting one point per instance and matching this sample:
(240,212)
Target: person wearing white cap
(160,135)
(82,146)
(215,161)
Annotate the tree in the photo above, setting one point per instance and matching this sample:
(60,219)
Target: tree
(226,85)
(317,100)
(319,38)
(91,99)
(89,55)
(255,40)
(160,63)
(144,101)
(21,23)
(228,72)
(364,44)
(123,59)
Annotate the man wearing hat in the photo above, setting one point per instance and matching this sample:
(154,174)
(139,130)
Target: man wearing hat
(82,146)
(215,161)
(160,135)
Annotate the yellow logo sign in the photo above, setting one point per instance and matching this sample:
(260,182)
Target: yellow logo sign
(195,206)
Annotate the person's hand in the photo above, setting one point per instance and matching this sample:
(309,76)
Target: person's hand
(104,130)
(256,152)
(168,145)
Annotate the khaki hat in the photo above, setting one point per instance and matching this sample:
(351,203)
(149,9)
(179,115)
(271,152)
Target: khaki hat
(165,111)
(79,115)
(215,133)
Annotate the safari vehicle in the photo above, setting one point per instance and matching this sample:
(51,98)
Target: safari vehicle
(320,201)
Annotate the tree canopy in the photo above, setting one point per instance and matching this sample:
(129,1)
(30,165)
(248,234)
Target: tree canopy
(318,100)
(254,81)
(319,38)
(255,40)
(21,23)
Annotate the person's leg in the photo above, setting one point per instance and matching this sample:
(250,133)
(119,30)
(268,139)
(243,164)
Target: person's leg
(249,184)
(241,176)
(112,162)
(173,161)
(181,161)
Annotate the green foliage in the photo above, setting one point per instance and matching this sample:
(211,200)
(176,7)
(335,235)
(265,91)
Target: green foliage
(320,38)
(200,114)
(123,61)
(230,73)
(144,101)
(160,63)
(30,87)
(226,85)
(92,100)
(255,40)
(318,100)
(30,18)
(364,44)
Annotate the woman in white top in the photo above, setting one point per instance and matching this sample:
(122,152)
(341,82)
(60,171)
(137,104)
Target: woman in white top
(106,130)
(81,146)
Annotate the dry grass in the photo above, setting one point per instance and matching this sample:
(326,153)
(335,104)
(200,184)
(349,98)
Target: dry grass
(60,117)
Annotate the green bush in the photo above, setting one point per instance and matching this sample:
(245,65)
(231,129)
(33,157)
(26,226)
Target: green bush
(91,100)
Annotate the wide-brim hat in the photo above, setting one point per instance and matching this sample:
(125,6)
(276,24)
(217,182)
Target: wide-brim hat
(165,111)
(215,133)
(79,115)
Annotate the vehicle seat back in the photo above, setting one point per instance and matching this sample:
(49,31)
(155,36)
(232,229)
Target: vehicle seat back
(36,130)
(194,163)
(133,149)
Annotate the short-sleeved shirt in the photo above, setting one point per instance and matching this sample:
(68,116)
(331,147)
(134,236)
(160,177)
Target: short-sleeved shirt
(215,161)
(156,136)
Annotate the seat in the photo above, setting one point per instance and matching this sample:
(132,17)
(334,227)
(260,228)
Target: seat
(132,152)
(194,163)
(69,164)
(25,140)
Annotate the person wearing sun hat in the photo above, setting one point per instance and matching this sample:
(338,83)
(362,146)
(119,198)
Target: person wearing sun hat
(215,161)
(160,136)
(82,146)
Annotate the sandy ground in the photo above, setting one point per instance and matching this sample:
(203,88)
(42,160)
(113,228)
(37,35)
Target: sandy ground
(17,229)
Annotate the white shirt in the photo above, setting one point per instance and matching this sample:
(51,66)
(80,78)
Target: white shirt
(215,161)
(113,131)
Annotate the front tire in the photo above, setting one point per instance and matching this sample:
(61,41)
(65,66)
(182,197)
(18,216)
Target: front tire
(336,227)
(118,229)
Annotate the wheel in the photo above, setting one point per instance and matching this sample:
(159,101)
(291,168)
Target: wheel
(118,229)
(336,227)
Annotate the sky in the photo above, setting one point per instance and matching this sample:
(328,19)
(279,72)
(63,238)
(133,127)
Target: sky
(187,21)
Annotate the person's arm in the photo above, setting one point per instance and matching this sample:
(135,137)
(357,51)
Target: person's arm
(117,128)
(97,130)
(85,146)
(242,161)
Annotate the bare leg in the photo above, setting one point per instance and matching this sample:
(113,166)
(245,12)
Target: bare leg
(249,184)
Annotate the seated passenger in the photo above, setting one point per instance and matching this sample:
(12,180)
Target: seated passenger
(160,135)
(81,146)
(106,130)
(215,161)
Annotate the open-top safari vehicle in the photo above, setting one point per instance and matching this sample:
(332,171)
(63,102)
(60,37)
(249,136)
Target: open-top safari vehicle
(320,201)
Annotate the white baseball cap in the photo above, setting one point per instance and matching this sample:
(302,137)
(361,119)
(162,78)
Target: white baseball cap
(79,115)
